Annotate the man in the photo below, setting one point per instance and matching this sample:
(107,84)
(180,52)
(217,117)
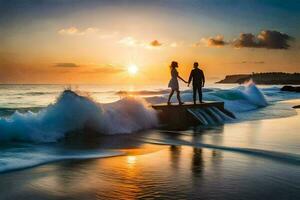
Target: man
(198,82)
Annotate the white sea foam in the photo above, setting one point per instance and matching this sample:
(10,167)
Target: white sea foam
(239,99)
(72,112)
(275,155)
(26,156)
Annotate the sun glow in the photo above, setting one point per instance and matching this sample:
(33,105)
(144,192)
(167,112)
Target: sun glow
(131,159)
(132,69)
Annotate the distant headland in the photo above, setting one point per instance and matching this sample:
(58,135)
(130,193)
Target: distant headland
(268,78)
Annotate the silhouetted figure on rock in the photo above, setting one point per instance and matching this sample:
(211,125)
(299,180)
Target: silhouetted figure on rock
(173,83)
(197,76)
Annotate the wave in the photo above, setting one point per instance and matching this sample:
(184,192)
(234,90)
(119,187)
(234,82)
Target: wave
(274,94)
(274,155)
(243,98)
(6,112)
(72,112)
(29,93)
(246,102)
(27,157)
(154,92)
(38,93)
(240,99)
(143,92)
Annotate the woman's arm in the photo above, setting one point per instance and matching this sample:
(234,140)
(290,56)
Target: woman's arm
(181,79)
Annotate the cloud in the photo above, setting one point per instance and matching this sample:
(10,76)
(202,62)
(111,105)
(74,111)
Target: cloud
(155,43)
(253,62)
(128,41)
(217,41)
(68,31)
(73,31)
(265,39)
(245,40)
(104,70)
(91,68)
(67,65)
(174,44)
(132,42)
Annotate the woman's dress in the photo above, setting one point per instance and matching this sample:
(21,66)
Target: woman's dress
(173,83)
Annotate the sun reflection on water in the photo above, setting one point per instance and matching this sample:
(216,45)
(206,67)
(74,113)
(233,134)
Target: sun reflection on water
(131,159)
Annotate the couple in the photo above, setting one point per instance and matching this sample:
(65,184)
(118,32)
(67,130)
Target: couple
(196,76)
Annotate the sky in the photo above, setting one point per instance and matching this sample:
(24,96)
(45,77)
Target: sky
(95,42)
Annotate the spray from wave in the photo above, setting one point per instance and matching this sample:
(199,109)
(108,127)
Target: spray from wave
(72,112)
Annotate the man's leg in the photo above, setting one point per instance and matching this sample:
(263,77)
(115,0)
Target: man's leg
(194,94)
(200,94)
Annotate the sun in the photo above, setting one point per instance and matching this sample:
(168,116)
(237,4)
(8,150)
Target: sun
(132,69)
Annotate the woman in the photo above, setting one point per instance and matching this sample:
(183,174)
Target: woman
(173,84)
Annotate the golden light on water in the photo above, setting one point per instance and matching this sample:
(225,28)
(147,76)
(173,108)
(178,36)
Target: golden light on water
(131,159)
(132,69)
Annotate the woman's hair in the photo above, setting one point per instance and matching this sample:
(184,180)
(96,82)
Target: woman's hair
(173,65)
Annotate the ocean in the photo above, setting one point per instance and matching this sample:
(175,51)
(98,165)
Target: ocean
(47,151)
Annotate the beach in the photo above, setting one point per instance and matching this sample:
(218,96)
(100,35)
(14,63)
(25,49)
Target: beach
(175,171)
(256,156)
(139,99)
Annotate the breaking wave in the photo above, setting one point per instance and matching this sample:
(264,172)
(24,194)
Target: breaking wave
(73,112)
(240,99)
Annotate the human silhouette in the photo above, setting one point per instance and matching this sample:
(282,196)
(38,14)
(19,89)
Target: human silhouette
(173,83)
(197,76)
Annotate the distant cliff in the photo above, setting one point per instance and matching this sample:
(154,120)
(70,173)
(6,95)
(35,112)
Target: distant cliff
(272,78)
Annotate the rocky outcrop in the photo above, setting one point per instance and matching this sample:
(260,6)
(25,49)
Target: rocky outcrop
(269,78)
(290,88)
(296,107)
(237,78)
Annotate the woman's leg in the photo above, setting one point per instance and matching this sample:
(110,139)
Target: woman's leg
(178,96)
(171,94)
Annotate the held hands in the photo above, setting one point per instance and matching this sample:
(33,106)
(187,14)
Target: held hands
(184,80)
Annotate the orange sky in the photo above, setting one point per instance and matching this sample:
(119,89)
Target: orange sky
(97,43)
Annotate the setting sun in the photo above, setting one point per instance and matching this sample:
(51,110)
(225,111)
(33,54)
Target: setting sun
(132,69)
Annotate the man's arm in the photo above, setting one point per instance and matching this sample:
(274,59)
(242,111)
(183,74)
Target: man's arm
(203,78)
(190,78)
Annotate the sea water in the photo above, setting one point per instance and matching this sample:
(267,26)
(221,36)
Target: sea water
(37,120)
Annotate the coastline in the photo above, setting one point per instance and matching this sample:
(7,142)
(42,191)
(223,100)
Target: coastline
(266,78)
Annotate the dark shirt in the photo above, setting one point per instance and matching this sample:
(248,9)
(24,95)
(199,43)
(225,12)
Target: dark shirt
(198,77)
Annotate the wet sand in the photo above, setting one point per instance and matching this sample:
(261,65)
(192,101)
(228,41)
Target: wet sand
(172,172)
